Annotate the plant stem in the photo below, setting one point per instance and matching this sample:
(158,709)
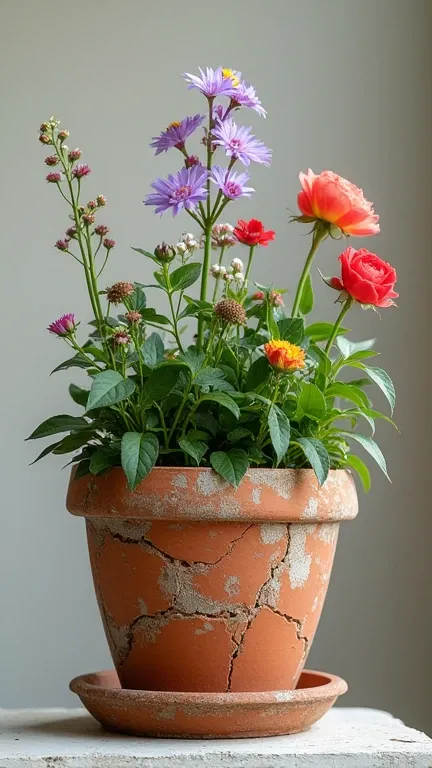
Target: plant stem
(204,281)
(319,235)
(249,264)
(346,307)
(217,278)
(171,303)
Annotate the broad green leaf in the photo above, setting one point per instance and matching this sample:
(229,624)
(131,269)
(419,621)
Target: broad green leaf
(82,469)
(196,308)
(292,329)
(146,253)
(56,424)
(349,392)
(279,428)
(78,395)
(185,276)
(193,358)
(317,456)
(96,352)
(231,465)
(258,374)
(108,388)
(153,350)
(363,354)
(138,456)
(378,415)
(383,380)
(209,377)
(307,299)
(150,315)
(160,278)
(321,331)
(77,361)
(224,400)
(360,467)
(206,420)
(344,346)
(161,382)
(238,434)
(371,447)
(74,441)
(194,448)
(311,401)
(272,325)
(103,458)
(348,348)
(138,299)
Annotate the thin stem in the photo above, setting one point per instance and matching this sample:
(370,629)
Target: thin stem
(346,308)
(319,234)
(221,255)
(163,424)
(249,264)
(171,303)
(204,282)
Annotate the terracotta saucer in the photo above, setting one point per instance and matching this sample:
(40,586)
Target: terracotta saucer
(207,715)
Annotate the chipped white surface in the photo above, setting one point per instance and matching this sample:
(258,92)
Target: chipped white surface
(344,738)
(299,561)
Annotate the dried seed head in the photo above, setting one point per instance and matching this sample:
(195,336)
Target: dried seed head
(230,311)
(119,291)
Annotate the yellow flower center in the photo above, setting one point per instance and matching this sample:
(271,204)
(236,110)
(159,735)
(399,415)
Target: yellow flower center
(231,74)
(284,356)
(175,124)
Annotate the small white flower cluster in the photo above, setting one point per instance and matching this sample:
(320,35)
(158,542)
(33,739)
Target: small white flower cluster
(187,244)
(236,272)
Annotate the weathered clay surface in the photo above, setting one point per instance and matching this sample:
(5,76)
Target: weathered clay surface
(207,715)
(215,605)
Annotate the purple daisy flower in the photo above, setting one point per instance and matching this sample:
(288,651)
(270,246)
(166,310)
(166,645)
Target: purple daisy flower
(176,134)
(230,182)
(213,82)
(245,96)
(64,326)
(240,143)
(183,190)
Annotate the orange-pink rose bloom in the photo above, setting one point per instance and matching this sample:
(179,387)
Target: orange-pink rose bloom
(331,198)
(366,278)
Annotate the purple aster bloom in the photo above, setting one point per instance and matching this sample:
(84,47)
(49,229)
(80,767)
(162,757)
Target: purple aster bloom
(183,190)
(240,143)
(213,82)
(65,325)
(245,96)
(231,183)
(176,134)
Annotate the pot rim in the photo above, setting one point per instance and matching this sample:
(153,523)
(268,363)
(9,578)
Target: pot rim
(198,494)
(332,686)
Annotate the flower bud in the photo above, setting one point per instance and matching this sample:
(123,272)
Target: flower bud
(53,177)
(133,317)
(164,252)
(222,271)
(44,127)
(181,248)
(215,270)
(71,232)
(62,245)
(258,296)
(237,265)
(101,200)
(89,218)
(74,154)
(190,241)
(192,160)
(92,204)
(228,277)
(120,338)
(80,171)
(239,276)
(276,299)
(108,243)
(51,160)
(44,139)
(63,134)
(102,230)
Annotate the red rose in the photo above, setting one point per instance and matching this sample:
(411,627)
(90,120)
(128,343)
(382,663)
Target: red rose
(252,232)
(366,278)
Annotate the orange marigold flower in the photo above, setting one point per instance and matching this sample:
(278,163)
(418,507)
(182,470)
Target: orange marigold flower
(284,356)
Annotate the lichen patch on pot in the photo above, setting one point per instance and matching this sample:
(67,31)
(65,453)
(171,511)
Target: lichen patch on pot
(299,560)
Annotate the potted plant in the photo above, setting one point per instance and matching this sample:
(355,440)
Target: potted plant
(213,473)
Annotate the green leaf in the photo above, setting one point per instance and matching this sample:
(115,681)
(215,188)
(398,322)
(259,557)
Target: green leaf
(316,455)
(49,449)
(231,465)
(56,424)
(138,299)
(238,434)
(82,469)
(138,456)
(360,467)
(196,308)
(109,387)
(307,299)
(383,380)
(209,377)
(258,374)
(378,415)
(349,392)
(372,448)
(344,346)
(185,276)
(102,459)
(153,350)
(194,448)
(292,329)
(193,358)
(146,253)
(272,325)
(161,382)
(311,401)
(74,441)
(321,331)
(77,361)
(363,354)
(160,278)
(150,316)
(224,400)
(78,395)
(280,430)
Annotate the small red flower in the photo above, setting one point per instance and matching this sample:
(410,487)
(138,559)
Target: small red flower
(252,232)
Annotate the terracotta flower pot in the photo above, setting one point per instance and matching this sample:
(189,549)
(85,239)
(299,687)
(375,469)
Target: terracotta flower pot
(205,588)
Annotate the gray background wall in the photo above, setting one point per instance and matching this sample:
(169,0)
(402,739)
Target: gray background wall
(347,87)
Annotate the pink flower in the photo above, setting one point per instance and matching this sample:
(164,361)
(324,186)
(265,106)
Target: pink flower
(62,245)
(366,278)
(81,170)
(89,218)
(64,326)
(51,160)
(102,230)
(74,154)
(109,243)
(333,199)
(53,177)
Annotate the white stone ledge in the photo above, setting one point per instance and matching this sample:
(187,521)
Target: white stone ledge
(344,738)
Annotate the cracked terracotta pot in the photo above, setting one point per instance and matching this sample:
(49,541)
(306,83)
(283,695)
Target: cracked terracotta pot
(209,589)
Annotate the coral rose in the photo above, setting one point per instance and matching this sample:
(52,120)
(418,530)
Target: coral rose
(366,278)
(333,199)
